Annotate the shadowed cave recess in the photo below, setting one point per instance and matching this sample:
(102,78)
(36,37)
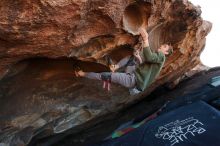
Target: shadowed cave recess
(43,41)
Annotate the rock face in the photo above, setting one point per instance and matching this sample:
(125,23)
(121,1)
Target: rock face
(67,31)
(92,28)
(187,90)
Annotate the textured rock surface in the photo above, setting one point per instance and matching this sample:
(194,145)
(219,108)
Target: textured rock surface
(90,28)
(146,107)
(44,98)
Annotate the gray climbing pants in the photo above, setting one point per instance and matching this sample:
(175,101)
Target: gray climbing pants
(124,79)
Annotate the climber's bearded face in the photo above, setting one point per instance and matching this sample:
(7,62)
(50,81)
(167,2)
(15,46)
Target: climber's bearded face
(166,49)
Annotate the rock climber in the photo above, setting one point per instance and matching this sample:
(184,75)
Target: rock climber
(141,68)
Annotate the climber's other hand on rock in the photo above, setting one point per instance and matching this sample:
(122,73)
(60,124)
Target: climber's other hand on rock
(143,33)
(144,36)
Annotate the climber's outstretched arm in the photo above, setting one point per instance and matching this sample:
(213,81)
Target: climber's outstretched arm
(149,56)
